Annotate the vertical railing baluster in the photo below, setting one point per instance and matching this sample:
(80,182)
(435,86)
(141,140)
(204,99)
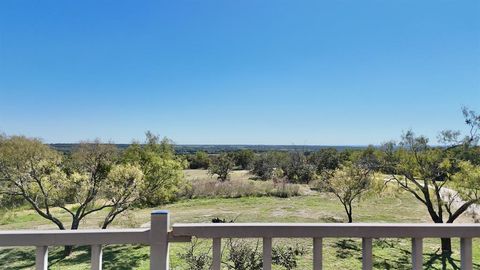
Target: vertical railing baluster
(267,253)
(159,225)
(417,253)
(217,253)
(317,253)
(367,255)
(466,253)
(41,258)
(96,257)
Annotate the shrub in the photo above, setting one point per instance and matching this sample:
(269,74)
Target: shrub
(286,256)
(324,160)
(298,170)
(196,258)
(242,256)
(283,189)
(268,165)
(200,160)
(239,188)
(244,159)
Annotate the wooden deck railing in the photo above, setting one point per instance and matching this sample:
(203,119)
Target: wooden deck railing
(161,234)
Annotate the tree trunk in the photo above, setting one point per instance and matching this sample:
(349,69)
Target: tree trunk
(348,209)
(446,246)
(67,250)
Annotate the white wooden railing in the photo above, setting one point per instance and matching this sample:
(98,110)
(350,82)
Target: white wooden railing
(161,234)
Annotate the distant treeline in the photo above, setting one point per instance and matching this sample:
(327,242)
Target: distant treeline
(216,149)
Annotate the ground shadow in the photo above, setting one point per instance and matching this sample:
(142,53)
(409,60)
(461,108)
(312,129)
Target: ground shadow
(439,261)
(346,248)
(18,258)
(397,257)
(121,257)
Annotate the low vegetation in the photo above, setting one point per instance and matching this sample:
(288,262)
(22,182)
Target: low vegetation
(201,184)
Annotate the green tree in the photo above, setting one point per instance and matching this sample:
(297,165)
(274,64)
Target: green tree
(200,160)
(244,158)
(266,165)
(297,169)
(221,166)
(325,160)
(348,183)
(424,171)
(162,169)
(122,188)
(80,184)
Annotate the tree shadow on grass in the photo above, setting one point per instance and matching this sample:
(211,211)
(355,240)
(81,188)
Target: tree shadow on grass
(439,261)
(121,257)
(346,248)
(397,257)
(124,257)
(17,258)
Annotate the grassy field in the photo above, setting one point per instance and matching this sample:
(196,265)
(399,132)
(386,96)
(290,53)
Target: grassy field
(314,207)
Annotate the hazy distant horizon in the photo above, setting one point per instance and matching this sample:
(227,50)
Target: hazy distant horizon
(218,148)
(140,139)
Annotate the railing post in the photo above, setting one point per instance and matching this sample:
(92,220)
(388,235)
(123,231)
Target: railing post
(466,253)
(317,254)
(417,253)
(41,258)
(217,253)
(267,253)
(96,257)
(367,255)
(159,226)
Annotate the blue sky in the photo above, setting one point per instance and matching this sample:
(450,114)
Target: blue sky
(244,72)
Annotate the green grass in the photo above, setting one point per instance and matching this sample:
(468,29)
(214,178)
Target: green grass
(317,207)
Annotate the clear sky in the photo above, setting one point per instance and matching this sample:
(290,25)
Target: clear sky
(244,72)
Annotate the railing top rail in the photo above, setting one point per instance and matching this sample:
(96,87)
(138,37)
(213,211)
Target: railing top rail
(307,230)
(74,237)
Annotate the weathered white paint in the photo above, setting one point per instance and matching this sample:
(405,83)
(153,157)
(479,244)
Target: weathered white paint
(317,253)
(96,257)
(323,230)
(216,253)
(41,258)
(367,254)
(466,253)
(417,253)
(159,257)
(267,253)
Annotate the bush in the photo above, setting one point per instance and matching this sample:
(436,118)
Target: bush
(268,165)
(285,190)
(298,170)
(244,159)
(196,258)
(242,256)
(324,160)
(286,256)
(239,188)
(200,160)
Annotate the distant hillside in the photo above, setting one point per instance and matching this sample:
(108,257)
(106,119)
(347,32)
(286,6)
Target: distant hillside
(216,148)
